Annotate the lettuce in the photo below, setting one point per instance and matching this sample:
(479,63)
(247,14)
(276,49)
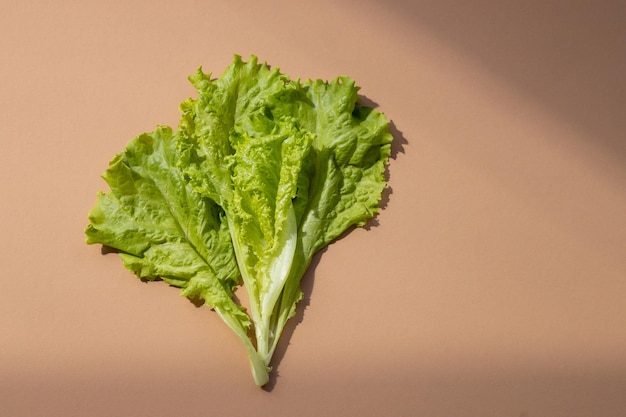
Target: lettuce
(262,172)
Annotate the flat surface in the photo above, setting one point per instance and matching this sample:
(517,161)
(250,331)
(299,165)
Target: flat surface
(492,285)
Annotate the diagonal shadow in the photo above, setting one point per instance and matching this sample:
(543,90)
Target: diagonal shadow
(568,58)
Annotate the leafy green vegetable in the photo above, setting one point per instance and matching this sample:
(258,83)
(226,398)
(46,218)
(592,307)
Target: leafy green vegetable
(261,174)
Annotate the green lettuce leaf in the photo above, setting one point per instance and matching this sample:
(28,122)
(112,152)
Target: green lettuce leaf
(163,229)
(262,173)
(344,176)
(305,163)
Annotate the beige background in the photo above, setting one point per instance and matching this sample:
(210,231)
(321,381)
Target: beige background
(494,283)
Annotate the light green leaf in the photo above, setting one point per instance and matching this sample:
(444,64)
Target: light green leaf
(300,162)
(262,173)
(164,229)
